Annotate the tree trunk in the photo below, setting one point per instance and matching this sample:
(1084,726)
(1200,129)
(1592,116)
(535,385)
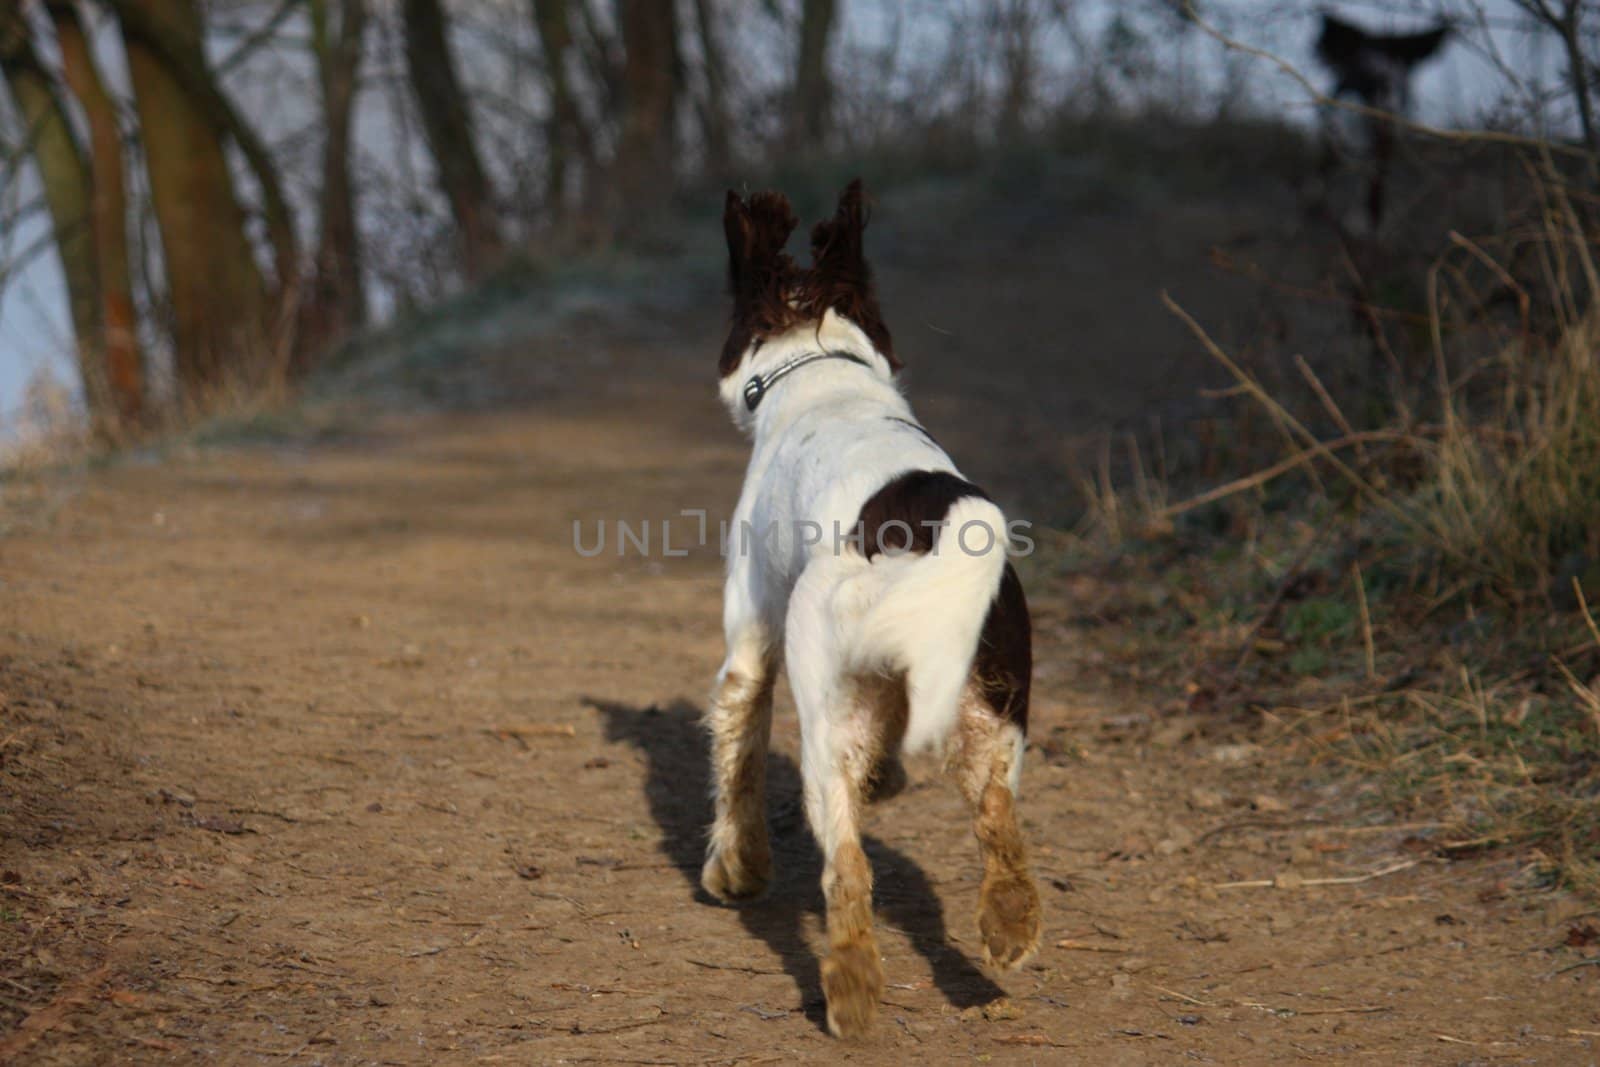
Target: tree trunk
(64,173)
(447,125)
(219,301)
(602,55)
(566,140)
(124,357)
(715,125)
(812,105)
(643,167)
(1016,31)
(169,31)
(337,304)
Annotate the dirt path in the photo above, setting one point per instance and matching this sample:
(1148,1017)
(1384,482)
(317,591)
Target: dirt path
(342,754)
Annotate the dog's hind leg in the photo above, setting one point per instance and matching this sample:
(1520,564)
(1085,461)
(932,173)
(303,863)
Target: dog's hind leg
(986,762)
(739,855)
(839,746)
(835,762)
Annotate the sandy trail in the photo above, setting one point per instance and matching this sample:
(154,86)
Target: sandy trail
(340,753)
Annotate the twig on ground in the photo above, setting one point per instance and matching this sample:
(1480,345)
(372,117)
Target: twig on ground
(538,729)
(1591,962)
(1031,1040)
(731,967)
(1075,945)
(1365,1009)
(1282,882)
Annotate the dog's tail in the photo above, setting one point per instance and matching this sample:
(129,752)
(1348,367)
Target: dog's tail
(928,617)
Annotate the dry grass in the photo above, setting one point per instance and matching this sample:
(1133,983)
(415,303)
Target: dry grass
(1113,514)
(1465,678)
(1497,763)
(1511,499)
(47,430)
(1499,491)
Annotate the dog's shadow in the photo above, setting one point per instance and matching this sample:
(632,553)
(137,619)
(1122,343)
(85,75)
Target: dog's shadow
(676,750)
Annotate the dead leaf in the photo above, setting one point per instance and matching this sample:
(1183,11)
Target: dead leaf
(1582,935)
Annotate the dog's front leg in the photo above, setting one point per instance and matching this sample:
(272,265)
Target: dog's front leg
(739,857)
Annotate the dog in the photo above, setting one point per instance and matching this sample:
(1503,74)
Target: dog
(1376,68)
(861,562)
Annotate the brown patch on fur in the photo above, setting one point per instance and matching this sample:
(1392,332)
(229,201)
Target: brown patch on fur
(1008,902)
(1003,667)
(1009,914)
(772,294)
(911,505)
(852,973)
(847,884)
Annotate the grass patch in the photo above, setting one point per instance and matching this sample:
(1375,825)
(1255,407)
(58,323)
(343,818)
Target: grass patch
(1413,614)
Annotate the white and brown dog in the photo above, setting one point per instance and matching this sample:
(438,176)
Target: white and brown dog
(862,562)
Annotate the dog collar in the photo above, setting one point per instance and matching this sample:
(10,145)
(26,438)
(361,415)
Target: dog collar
(755,390)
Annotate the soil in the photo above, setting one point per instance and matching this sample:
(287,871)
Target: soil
(336,751)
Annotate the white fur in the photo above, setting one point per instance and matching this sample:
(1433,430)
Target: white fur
(826,438)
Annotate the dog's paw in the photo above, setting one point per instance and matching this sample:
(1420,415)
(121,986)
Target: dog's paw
(738,875)
(1008,920)
(852,981)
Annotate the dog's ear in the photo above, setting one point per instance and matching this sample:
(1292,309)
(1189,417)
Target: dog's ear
(756,232)
(758,268)
(840,275)
(836,243)
(741,237)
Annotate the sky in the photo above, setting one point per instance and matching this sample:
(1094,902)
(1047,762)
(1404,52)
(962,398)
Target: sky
(1456,89)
